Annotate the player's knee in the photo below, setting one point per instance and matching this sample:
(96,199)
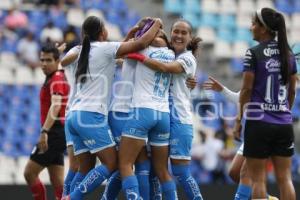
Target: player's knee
(28,175)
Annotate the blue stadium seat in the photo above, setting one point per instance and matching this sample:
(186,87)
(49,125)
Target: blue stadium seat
(193,18)
(191,6)
(296,6)
(9,45)
(209,19)
(237,65)
(173,6)
(119,5)
(37,19)
(227,21)
(225,35)
(243,34)
(113,16)
(58,17)
(284,6)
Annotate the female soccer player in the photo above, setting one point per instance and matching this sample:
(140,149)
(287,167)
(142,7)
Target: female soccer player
(88,113)
(266,98)
(181,134)
(237,170)
(120,107)
(149,121)
(72,178)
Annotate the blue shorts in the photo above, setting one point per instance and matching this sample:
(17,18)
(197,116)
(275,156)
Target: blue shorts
(89,132)
(69,140)
(148,124)
(181,138)
(117,121)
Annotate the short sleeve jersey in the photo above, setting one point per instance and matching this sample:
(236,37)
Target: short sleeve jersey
(94,94)
(152,87)
(123,88)
(269,96)
(70,75)
(55,84)
(180,106)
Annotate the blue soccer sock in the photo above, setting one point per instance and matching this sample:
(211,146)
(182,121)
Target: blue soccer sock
(243,192)
(92,180)
(113,187)
(169,190)
(76,181)
(130,187)
(67,183)
(142,171)
(155,187)
(186,180)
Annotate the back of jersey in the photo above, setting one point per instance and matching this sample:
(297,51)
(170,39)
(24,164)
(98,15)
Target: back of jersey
(269,93)
(93,95)
(152,87)
(123,88)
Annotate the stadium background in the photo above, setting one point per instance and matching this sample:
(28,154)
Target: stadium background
(224,27)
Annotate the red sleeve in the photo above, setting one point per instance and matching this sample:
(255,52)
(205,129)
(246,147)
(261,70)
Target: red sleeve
(58,84)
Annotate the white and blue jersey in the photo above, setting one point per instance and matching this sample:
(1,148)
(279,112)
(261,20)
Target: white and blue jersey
(122,98)
(150,114)
(88,117)
(181,110)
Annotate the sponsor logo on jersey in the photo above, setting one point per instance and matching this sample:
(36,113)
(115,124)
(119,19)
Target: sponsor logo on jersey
(270,52)
(273,65)
(162,55)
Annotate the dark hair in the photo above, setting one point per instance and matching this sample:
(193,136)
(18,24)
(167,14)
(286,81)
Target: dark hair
(91,28)
(165,38)
(276,24)
(50,48)
(194,43)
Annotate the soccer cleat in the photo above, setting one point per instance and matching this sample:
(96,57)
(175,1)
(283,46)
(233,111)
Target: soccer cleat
(66,197)
(272,198)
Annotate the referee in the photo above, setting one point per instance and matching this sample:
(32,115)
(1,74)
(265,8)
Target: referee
(48,153)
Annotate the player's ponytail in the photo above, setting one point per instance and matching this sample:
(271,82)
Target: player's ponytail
(275,24)
(91,29)
(284,48)
(194,45)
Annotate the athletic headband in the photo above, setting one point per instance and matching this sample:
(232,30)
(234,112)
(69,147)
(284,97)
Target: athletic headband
(258,13)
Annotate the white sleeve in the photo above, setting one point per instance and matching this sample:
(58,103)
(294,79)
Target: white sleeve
(230,95)
(188,63)
(113,48)
(75,49)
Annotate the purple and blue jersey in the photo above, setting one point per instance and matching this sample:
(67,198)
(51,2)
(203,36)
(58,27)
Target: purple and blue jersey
(269,101)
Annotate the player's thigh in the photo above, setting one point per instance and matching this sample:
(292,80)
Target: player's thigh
(282,166)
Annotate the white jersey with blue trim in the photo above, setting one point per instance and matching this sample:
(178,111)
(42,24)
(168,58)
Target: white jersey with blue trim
(180,105)
(70,75)
(152,87)
(94,94)
(123,88)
